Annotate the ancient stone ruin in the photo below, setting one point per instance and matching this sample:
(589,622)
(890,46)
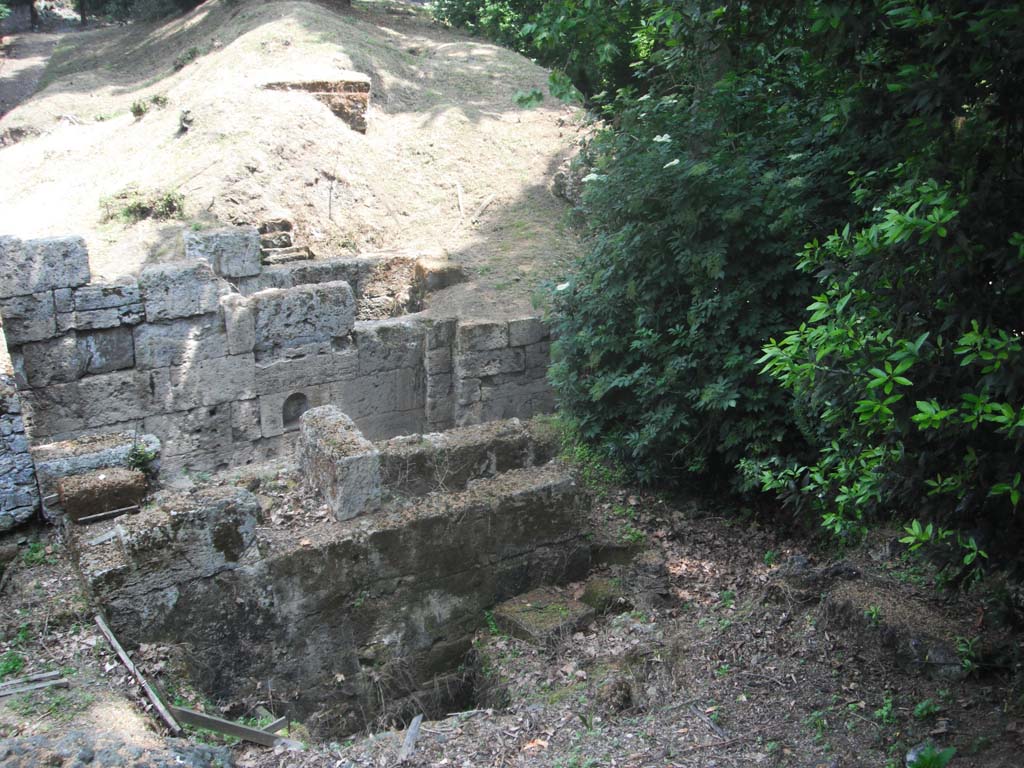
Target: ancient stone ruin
(359,487)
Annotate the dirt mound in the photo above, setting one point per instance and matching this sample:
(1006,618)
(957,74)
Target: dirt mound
(448,162)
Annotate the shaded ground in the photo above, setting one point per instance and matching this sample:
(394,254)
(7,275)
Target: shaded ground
(23,58)
(717,643)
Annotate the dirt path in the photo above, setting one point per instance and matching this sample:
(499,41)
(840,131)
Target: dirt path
(23,58)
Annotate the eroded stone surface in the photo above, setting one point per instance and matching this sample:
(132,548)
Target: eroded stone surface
(338,462)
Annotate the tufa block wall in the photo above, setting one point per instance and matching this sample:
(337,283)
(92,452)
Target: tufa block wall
(218,356)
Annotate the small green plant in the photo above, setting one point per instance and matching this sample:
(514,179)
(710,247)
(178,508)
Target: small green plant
(360,599)
(139,109)
(133,205)
(817,722)
(926,709)
(771,557)
(931,757)
(186,58)
(965,649)
(727,599)
(159,101)
(873,614)
(633,535)
(141,458)
(886,713)
(35,554)
(528,99)
(723,670)
(492,623)
(11,663)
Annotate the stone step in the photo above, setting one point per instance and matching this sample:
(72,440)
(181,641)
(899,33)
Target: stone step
(542,616)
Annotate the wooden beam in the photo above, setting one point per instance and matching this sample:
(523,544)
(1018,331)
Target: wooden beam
(108,515)
(151,694)
(255,735)
(410,739)
(4,692)
(277,725)
(30,679)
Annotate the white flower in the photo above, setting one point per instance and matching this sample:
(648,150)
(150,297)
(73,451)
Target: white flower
(562,287)
(663,138)
(645,97)
(670,163)
(593,177)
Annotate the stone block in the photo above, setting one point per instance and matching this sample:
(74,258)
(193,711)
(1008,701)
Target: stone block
(390,344)
(103,490)
(35,266)
(434,274)
(96,401)
(232,252)
(211,382)
(52,361)
(206,429)
(170,291)
(543,616)
(307,318)
(89,452)
(106,351)
(311,370)
(122,293)
(64,300)
(439,361)
(94,319)
(441,333)
(239,324)
(245,420)
(491,362)
(276,418)
(338,463)
(529,330)
(538,355)
(468,391)
(385,392)
(183,342)
(480,336)
(381,426)
(28,318)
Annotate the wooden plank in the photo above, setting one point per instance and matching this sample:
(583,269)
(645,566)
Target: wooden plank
(62,683)
(151,694)
(410,739)
(277,725)
(107,515)
(220,725)
(30,679)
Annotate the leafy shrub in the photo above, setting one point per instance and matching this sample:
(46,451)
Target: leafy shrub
(698,199)
(186,58)
(139,109)
(910,363)
(133,205)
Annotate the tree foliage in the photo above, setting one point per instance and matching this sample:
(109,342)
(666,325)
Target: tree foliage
(806,272)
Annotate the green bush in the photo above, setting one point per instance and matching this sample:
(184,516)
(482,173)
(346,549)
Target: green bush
(698,198)
(909,364)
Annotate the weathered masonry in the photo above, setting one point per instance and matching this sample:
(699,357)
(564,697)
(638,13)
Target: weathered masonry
(219,355)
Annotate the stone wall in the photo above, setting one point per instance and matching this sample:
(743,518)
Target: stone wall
(218,356)
(19,493)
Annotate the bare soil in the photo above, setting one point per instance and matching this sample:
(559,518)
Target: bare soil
(718,642)
(449,164)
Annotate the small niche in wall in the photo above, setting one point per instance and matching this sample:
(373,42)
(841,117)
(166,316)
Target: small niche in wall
(293,408)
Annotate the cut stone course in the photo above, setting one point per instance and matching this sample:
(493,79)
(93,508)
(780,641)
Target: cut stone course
(29,318)
(104,490)
(171,291)
(232,251)
(307,317)
(19,491)
(35,266)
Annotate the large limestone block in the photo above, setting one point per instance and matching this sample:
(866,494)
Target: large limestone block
(239,323)
(106,351)
(480,336)
(28,318)
(307,318)
(201,430)
(282,375)
(102,490)
(491,362)
(232,252)
(96,401)
(184,342)
(338,462)
(529,330)
(211,382)
(34,266)
(124,292)
(90,452)
(99,305)
(386,345)
(170,291)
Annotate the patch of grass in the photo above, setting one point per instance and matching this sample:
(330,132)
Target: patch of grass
(35,554)
(139,109)
(771,557)
(874,615)
(11,663)
(186,58)
(926,709)
(133,205)
(159,101)
(886,713)
(633,535)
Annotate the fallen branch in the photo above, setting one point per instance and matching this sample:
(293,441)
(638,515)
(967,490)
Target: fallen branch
(255,735)
(30,679)
(165,715)
(462,209)
(483,207)
(108,515)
